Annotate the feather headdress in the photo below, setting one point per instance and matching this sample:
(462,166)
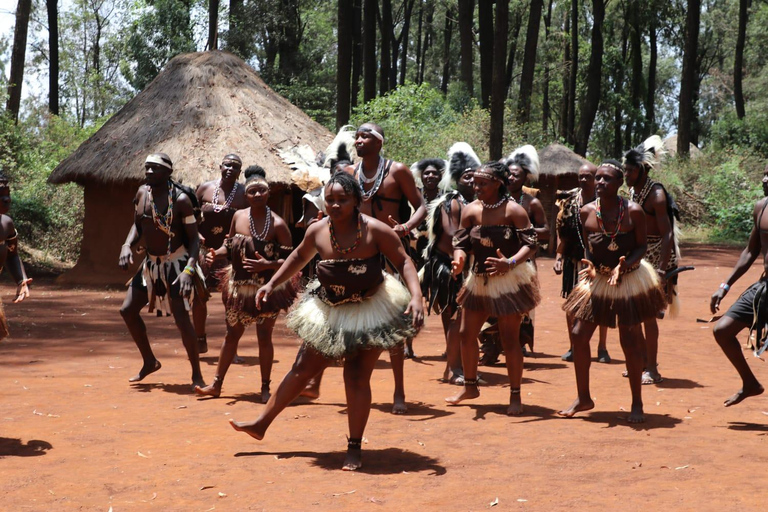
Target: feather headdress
(646,155)
(418,168)
(341,148)
(527,159)
(460,158)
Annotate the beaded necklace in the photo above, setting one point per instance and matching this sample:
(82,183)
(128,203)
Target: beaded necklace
(643,195)
(577,214)
(228,200)
(163,222)
(267,223)
(376,180)
(358,236)
(494,205)
(599,212)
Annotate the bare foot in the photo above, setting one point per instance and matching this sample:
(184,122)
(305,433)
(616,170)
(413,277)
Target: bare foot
(249,428)
(408,350)
(354,459)
(238,360)
(515,404)
(467,393)
(636,415)
(265,394)
(197,381)
(577,406)
(399,406)
(213,390)
(650,377)
(146,370)
(202,345)
(745,392)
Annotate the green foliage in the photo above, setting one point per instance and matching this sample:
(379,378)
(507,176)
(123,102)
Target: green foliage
(751,132)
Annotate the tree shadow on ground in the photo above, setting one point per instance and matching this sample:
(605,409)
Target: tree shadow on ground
(417,411)
(387,461)
(14,447)
(177,389)
(619,418)
(748,427)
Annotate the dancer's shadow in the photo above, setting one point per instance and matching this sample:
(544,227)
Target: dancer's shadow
(749,427)
(387,461)
(177,389)
(14,447)
(417,411)
(530,413)
(247,360)
(619,418)
(673,383)
(534,366)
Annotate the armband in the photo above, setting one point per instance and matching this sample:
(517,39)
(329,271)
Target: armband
(190,219)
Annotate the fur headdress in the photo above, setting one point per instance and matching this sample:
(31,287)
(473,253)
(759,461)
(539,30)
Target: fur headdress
(418,168)
(527,159)
(341,148)
(460,158)
(647,155)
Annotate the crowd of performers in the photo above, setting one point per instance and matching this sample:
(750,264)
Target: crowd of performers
(354,286)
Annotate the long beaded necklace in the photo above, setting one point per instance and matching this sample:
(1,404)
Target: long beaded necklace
(577,215)
(267,223)
(599,212)
(358,236)
(163,222)
(643,195)
(228,200)
(376,180)
(494,205)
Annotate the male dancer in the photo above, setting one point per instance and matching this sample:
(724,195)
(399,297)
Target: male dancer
(741,315)
(9,251)
(429,172)
(660,212)
(165,218)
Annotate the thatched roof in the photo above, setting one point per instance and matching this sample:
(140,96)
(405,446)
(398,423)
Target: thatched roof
(670,144)
(557,159)
(199,108)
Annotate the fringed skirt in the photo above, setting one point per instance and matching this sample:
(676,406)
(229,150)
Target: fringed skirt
(3,323)
(637,297)
(240,299)
(653,256)
(378,322)
(438,286)
(513,293)
(160,276)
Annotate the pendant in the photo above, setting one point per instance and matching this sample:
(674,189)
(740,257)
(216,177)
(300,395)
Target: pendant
(613,246)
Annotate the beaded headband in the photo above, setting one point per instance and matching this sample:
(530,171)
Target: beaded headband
(488,175)
(160,160)
(612,166)
(255,181)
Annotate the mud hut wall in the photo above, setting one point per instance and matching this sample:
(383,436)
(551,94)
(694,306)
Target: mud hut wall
(549,184)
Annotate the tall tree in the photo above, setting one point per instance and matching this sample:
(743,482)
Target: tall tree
(688,82)
(498,92)
(514,32)
(636,85)
(650,101)
(486,36)
(565,100)
(466,18)
(345,26)
(574,73)
(403,39)
(386,28)
(429,37)
(594,72)
(738,59)
(237,35)
(18,55)
(52,7)
(529,61)
(545,95)
(213,25)
(357,50)
(447,34)
(370,11)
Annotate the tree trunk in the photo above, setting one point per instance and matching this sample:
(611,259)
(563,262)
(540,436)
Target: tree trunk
(517,22)
(53,50)
(566,73)
(213,25)
(650,102)
(290,40)
(685,119)
(403,43)
(738,59)
(594,72)
(344,61)
(529,62)
(545,95)
(385,28)
(429,37)
(419,41)
(447,33)
(236,42)
(370,9)
(486,36)
(498,92)
(618,88)
(18,54)
(466,18)
(574,76)
(357,50)
(636,86)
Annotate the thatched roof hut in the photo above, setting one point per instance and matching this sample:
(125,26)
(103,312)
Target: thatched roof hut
(199,108)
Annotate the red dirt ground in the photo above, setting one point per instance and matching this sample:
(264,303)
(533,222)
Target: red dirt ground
(77,436)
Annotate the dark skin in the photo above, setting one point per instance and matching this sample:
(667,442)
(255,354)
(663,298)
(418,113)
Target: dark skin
(430,177)
(533,207)
(377,238)
(257,196)
(9,251)
(658,223)
(475,214)
(156,243)
(607,183)
(230,172)
(728,328)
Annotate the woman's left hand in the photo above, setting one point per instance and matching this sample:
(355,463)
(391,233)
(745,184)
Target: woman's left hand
(615,278)
(500,265)
(22,290)
(416,308)
(256,265)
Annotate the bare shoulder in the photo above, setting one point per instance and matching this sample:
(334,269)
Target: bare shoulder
(375,225)
(6,227)
(350,169)
(759,206)
(590,207)
(634,208)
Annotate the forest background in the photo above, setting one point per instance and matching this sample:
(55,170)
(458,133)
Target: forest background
(597,75)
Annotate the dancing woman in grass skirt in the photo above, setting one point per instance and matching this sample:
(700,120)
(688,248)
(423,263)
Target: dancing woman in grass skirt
(617,287)
(352,310)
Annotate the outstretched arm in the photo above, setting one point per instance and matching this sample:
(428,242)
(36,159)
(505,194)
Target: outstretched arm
(293,264)
(14,264)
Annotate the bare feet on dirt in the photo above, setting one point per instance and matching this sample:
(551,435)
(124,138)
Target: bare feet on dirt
(745,392)
(636,414)
(577,406)
(469,392)
(515,404)
(146,370)
(265,394)
(354,459)
(213,390)
(399,406)
(250,428)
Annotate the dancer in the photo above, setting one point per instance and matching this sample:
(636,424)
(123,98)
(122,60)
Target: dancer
(502,282)
(258,243)
(438,284)
(429,172)
(170,268)
(9,251)
(570,248)
(741,315)
(662,253)
(616,287)
(353,310)
(219,200)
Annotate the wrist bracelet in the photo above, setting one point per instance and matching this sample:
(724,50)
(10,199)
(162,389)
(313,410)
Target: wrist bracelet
(511,262)
(725,286)
(189,270)
(126,245)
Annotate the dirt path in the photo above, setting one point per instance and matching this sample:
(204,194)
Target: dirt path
(76,436)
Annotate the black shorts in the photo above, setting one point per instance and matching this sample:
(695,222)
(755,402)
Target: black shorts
(743,309)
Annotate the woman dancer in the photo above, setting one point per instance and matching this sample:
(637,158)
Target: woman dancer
(617,285)
(502,283)
(352,310)
(258,243)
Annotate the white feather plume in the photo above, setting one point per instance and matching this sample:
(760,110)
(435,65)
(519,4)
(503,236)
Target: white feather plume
(461,154)
(344,139)
(529,157)
(653,150)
